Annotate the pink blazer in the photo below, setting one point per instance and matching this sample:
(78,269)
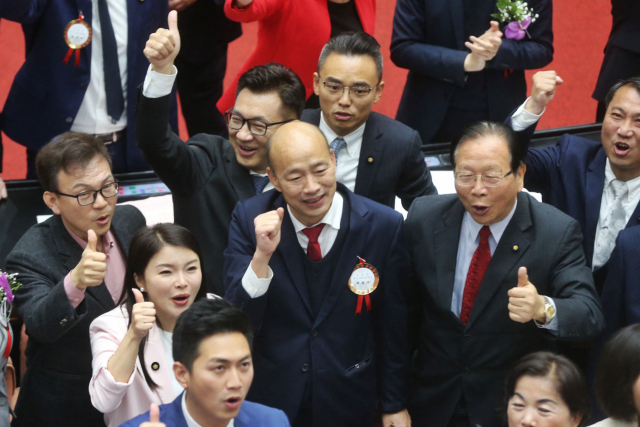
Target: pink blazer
(118,401)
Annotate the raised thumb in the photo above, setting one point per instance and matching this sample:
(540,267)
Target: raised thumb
(495,26)
(93,240)
(154,413)
(523,277)
(138,295)
(173,22)
(280,213)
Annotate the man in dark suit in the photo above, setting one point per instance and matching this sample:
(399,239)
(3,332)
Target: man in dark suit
(89,89)
(72,269)
(452,83)
(377,157)
(208,175)
(622,53)
(304,263)
(499,275)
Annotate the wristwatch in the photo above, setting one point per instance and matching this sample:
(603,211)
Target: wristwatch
(549,311)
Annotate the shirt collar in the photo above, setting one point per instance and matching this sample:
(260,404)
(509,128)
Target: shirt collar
(189,419)
(497,229)
(108,241)
(633,185)
(256,173)
(353,140)
(331,218)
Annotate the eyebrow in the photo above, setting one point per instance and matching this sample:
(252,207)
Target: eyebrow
(315,165)
(221,360)
(173,265)
(84,184)
(262,118)
(361,83)
(539,401)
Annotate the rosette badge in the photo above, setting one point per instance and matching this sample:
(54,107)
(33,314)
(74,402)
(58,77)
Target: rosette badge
(517,15)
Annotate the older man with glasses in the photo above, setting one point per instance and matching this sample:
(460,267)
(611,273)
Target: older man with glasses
(72,269)
(208,175)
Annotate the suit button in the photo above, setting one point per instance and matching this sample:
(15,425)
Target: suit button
(466,371)
(314,333)
(305,368)
(64,321)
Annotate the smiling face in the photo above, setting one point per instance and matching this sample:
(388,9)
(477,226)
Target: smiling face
(219,379)
(251,149)
(536,402)
(488,155)
(172,280)
(343,112)
(621,133)
(80,219)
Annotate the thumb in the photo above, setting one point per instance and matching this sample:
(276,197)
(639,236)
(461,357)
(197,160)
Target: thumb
(154,413)
(559,80)
(93,240)
(280,213)
(173,24)
(523,277)
(495,26)
(138,295)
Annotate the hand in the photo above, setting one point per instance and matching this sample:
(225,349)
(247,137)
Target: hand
(92,267)
(180,5)
(267,238)
(242,3)
(154,417)
(542,91)
(487,45)
(399,419)
(524,302)
(473,62)
(163,46)
(143,316)
(3,190)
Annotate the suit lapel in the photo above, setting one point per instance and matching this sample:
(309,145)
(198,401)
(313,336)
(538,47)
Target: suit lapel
(163,374)
(239,177)
(457,21)
(505,257)
(370,149)
(635,217)
(446,244)
(595,187)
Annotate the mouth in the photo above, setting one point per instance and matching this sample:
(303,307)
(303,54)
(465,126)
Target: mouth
(180,299)
(233,402)
(342,116)
(480,210)
(621,148)
(103,220)
(315,202)
(246,151)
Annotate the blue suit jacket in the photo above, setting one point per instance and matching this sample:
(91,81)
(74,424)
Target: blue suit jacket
(250,415)
(46,94)
(428,40)
(351,359)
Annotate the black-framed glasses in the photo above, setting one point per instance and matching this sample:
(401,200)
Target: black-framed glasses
(467,179)
(334,88)
(256,127)
(89,197)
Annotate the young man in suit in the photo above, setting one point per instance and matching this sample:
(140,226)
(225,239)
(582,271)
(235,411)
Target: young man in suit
(499,275)
(208,175)
(72,269)
(323,353)
(377,157)
(212,353)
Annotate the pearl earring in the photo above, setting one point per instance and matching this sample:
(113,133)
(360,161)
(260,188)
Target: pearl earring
(141,289)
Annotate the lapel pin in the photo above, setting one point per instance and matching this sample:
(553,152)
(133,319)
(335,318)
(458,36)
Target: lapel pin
(370,159)
(515,248)
(155,366)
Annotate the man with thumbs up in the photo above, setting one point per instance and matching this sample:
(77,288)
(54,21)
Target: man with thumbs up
(499,275)
(72,269)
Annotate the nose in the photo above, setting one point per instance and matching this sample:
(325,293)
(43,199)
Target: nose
(626,129)
(312,185)
(244,133)
(100,201)
(233,381)
(345,98)
(529,418)
(478,186)
(181,280)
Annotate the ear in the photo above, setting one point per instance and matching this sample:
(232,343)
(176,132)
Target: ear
(379,90)
(273,178)
(139,281)
(51,200)
(182,374)
(576,419)
(333,159)
(316,84)
(520,176)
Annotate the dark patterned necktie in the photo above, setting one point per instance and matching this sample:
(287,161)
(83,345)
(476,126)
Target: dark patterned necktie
(259,183)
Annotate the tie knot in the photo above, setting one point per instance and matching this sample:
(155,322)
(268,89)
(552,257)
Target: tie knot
(313,232)
(485,232)
(619,188)
(336,145)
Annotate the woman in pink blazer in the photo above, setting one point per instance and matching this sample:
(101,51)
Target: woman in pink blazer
(131,344)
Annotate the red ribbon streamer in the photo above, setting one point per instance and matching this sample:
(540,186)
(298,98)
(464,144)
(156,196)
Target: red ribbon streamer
(360,304)
(7,350)
(70,51)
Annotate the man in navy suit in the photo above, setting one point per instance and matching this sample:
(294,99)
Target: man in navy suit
(212,361)
(452,83)
(304,262)
(94,91)
(377,157)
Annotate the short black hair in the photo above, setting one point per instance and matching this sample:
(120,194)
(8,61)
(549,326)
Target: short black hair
(275,77)
(353,44)
(617,372)
(634,82)
(203,319)
(484,129)
(67,152)
(569,382)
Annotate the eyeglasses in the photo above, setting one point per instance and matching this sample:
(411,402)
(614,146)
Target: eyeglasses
(256,127)
(89,197)
(334,88)
(467,179)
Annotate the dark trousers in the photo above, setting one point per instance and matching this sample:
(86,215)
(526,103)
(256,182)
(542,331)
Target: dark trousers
(459,418)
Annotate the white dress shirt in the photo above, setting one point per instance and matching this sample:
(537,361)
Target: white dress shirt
(189,419)
(349,156)
(256,287)
(467,245)
(92,116)
(167,343)
(522,119)
(628,204)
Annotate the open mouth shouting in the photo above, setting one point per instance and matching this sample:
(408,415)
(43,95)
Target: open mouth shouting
(233,402)
(621,148)
(180,299)
(480,210)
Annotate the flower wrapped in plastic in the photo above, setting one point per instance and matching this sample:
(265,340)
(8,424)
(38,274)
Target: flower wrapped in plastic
(518,17)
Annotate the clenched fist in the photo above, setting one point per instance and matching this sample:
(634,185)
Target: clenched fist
(92,268)
(143,316)
(163,46)
(267,240)
(524,302)
(542,91)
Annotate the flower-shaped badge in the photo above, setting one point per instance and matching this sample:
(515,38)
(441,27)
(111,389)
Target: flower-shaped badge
(518,16)
(6,287)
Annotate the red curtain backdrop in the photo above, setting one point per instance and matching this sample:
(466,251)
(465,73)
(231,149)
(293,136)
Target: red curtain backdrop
(581,30)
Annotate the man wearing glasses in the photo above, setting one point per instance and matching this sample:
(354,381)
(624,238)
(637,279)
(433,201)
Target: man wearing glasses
(378,157)
(208,175)
(499,275)
(72,270)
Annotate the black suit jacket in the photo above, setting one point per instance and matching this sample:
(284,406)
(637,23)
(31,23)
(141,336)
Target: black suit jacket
(55,387)
(397,167)
(204,177)
(452,358)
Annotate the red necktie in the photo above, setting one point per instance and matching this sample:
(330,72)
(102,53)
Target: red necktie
(313,248)
(477,268)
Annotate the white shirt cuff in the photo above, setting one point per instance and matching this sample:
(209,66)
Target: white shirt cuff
(256,287)
(157,85)
(553,325)
(522,119)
